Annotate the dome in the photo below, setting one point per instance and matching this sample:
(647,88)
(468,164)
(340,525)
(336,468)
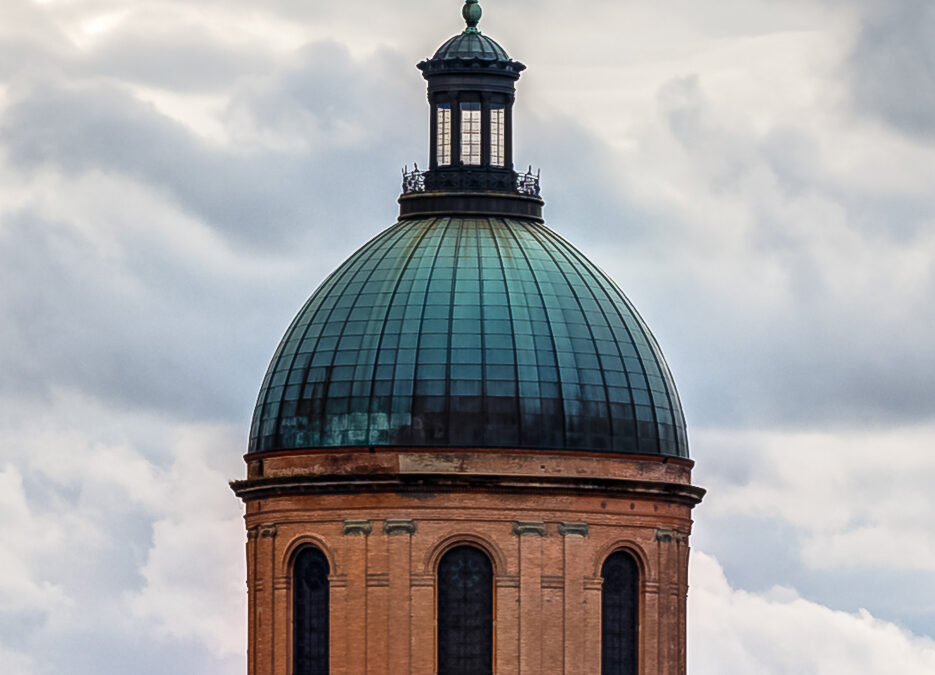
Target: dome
(461,332)
(471,45)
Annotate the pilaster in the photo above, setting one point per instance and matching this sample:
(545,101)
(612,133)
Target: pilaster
(591,587)
(506,633)
(266,608)
(399,542)
(574,547)
(422,638)
(530,596)
(354,541)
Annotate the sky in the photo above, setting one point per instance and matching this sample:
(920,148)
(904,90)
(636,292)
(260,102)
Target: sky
(177,176)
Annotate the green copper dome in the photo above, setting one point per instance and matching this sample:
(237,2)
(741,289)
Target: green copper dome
(471,45)
(457,332)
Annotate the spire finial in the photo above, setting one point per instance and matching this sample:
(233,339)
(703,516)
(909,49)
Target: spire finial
(471,13)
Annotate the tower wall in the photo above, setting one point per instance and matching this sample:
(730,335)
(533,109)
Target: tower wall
(547,522)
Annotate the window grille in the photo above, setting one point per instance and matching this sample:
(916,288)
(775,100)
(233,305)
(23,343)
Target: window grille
(619,615)
(310,613)
(444,134)
(471,133)
(465,613)
(497,135)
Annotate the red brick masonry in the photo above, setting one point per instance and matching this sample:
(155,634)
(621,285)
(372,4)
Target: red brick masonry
(547,520)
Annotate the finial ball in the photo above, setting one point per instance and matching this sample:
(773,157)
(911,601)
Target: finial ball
(471,13)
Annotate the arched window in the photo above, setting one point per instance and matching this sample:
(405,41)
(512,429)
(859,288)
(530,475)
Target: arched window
(620,615)
(310,612)
(465,612)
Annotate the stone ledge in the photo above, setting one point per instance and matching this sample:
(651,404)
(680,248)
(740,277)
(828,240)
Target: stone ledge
(529,529)
(397,526)
(573,529)
(260,488)
(358,528)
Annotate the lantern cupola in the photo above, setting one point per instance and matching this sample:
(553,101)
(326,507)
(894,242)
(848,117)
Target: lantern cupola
(471,91)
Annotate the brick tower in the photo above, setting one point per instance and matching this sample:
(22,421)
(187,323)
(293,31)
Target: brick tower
(468,455)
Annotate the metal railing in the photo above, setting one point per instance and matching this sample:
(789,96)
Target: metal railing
(413,181)
(528,183)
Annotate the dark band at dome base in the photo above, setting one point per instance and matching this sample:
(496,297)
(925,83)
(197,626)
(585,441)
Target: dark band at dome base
(427,204)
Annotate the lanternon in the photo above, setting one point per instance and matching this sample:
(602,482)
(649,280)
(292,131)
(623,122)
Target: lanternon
(468,455)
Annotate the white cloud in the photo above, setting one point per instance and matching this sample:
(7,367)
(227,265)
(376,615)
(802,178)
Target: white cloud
(16,662)
(861,498)
(175,178)
(734,632)
(121,525)
(195,570)
(24,536)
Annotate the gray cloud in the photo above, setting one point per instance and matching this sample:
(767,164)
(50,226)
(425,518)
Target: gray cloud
(786,342)
(123,330)
(80,322)
(147,271)
(893,65)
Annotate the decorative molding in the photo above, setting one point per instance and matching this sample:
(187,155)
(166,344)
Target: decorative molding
(419,482)
(252,533)
(552,582)
(651,587)
(282,583)
(508,581)
(665,535)
(268,531)
(378,580)
(337,581)
(358,528)
(573,529)
(593,583)
(434,554)
(422,581)
(394,526)
(529,529)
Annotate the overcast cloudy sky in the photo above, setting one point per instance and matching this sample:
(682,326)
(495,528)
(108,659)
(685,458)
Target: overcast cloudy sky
(177,176)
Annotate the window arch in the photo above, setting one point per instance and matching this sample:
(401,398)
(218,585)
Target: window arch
(465,612)
(620,614)
(310,613)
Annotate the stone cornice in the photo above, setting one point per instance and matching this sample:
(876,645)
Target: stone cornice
(259,488)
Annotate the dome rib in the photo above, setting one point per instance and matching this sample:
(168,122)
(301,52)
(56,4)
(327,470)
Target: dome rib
(464,332)
(329,392)
(352,266)
(627,376)
(421,342)
(561,394)
(655,357)
(396,285)
(590,329)
(471,45)
(512,319)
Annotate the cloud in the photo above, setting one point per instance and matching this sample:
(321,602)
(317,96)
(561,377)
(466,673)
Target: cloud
(194,570)
(24,535)
(17,663)
(782,283)
(893,65)
(841,516)
(176,178)
(780,633)
(119,529)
